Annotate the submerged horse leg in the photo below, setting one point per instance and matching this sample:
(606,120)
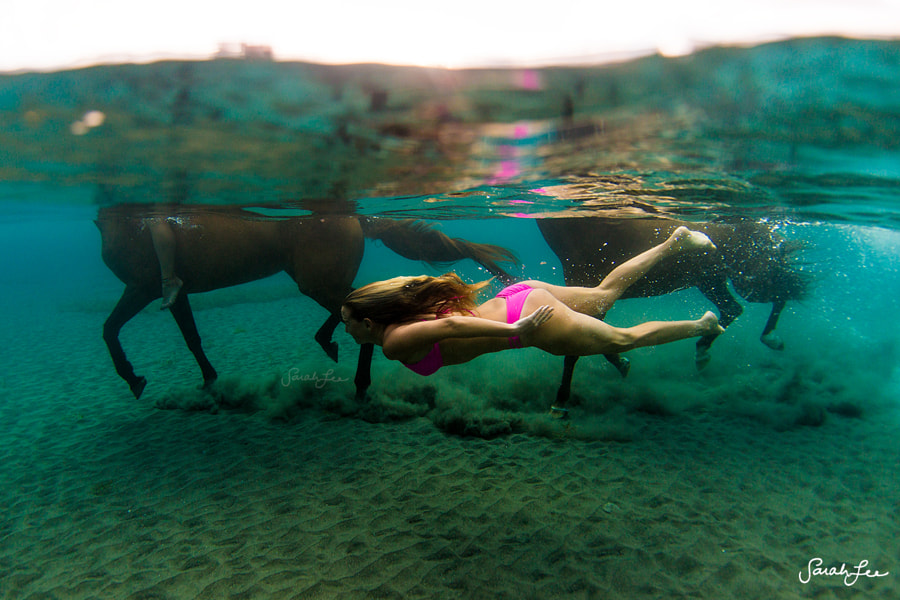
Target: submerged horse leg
(622,365)
(768,337)
(131,303)
(363,377)
(325,336)
(559,410)
(184,317)
(729,310)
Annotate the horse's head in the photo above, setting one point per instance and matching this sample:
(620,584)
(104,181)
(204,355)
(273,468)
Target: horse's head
(762,265)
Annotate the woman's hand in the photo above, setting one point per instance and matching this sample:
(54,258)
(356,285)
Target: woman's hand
(534,320)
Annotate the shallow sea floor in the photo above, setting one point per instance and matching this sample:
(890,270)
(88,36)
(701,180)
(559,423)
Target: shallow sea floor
(306,495)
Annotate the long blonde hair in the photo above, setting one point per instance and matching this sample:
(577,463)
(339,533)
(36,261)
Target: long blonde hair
(403,299)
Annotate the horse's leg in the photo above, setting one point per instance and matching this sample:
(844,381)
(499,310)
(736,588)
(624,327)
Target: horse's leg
(184,317)
(768,337)
(363,377)
(622,364)
(325,335)
(729,310)
(131,303)
(323,258)
(559,410)
(564,392)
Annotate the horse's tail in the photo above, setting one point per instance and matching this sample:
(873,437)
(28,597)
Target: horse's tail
(417,240)
(793,281)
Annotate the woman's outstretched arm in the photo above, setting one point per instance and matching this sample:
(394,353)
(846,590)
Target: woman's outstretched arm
(412,337)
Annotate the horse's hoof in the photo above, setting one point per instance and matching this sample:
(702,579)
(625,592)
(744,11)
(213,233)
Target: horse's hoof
(773,341)
(137,387)
(559,413)
(702,360)
(330,348)
(208,384)
(623,365)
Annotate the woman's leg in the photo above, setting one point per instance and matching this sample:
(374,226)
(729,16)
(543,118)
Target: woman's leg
(596,301)
(572,333)
(654,333)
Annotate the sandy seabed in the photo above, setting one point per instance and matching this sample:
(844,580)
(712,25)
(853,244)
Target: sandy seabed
(176,496)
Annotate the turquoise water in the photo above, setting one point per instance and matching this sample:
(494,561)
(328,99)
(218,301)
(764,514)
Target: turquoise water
(800,136)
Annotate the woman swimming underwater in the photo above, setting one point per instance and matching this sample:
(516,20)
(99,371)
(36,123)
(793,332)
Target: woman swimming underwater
(428,322)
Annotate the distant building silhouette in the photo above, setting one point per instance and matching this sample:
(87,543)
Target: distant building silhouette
(244,51)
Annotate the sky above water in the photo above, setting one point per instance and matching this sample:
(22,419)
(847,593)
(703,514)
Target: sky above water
(54,34)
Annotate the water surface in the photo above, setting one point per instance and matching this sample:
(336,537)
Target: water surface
(671,482)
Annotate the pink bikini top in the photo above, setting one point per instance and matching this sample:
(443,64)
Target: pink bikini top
(515,300)
(428,365)
(433,360)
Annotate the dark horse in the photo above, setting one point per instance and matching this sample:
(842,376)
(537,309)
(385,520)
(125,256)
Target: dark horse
(223,246)
(750,254)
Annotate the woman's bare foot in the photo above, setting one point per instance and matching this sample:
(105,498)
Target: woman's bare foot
(708,324)
(686,239)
